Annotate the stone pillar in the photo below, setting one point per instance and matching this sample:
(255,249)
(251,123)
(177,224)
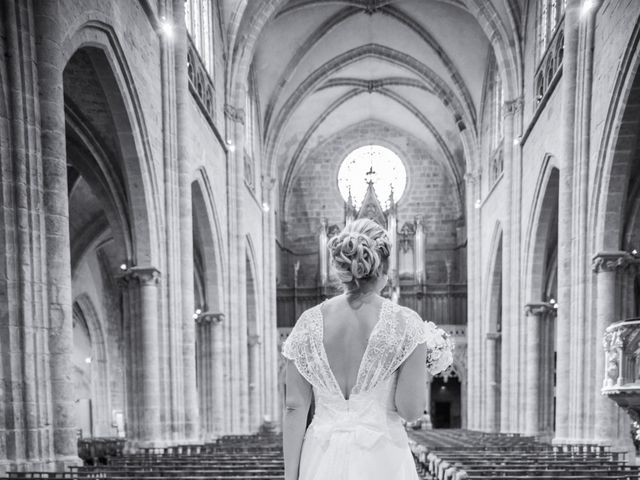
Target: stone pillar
(237,385)
(512,381)
(253,352)
(190,407)
(535,314)
(419,267)
(323,261)
(140,303)
(210,350)
(476,380)
(493,399)
(50,60)
(392,231)
(565,218)
(607,266)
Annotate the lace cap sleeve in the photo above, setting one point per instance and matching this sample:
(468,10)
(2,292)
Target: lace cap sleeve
(294,344)
(439,343)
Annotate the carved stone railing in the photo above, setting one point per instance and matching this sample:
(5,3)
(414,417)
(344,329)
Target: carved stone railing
(622,365)
(200,83)
(550,64)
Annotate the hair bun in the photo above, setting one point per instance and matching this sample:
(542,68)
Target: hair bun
(355,256)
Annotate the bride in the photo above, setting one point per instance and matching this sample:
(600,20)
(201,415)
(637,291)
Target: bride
(362,360)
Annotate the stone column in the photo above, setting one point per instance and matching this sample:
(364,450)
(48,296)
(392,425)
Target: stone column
(190,407)
(419,267)
(565,218)
(50,60)
(140,302)
(237,386)
(606,266)
(492,398)
(512,328)
(535,314)
(323,262)
(210,366)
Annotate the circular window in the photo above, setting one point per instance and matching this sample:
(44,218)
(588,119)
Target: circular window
(375,164)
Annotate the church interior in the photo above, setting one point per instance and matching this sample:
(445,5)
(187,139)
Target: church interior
(172,170)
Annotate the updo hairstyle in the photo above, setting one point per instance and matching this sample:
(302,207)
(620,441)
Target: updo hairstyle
(360,252)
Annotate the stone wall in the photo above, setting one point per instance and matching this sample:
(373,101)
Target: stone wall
(430,193)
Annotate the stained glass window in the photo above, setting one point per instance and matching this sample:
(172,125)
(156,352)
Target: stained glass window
(376,164)
(549,15)
(199,20)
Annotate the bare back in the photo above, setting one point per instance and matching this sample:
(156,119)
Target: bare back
(347,328)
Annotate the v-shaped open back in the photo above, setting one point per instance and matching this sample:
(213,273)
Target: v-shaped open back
(363,359)
(390,342)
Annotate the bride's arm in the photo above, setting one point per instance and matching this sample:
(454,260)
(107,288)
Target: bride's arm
(411,396)
(297,402)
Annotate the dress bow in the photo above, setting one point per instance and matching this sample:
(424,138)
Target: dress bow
(349,430)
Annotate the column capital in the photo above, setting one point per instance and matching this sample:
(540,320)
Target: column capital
(145,275)
(234,114)
(511,107)
(140,275)
(538,309)
(612,261)
(210,317)
(493,336)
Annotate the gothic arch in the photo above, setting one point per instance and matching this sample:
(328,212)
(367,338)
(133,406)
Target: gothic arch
(451,166)
(92,33)
(494,282)
(346,13)
(207,229)
(380,52)
(620,138)
(544,212)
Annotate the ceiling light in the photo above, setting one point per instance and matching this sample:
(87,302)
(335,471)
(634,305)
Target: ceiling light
(123,267)
(478,203)
(265,207)
(87,360)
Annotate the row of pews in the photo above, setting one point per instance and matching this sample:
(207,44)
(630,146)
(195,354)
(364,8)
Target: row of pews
(463,454)
(233,457)
(439,454)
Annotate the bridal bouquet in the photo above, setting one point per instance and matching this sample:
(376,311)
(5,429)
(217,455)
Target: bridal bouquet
(439,349)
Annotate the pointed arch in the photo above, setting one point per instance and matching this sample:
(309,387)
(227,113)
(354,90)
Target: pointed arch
(614,161)
(544,213)
(91,32)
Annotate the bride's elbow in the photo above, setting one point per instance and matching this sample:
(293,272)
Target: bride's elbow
(410,413)
(411,407)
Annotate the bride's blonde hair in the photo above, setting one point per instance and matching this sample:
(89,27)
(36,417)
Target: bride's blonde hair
(360,252)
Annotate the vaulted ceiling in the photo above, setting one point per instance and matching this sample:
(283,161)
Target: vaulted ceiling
(322,66)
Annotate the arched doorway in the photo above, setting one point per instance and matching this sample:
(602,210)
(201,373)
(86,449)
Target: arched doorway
(446,405)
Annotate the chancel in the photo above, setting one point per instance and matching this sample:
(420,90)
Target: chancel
(173,172)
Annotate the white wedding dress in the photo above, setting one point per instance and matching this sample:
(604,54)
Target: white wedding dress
(361,437)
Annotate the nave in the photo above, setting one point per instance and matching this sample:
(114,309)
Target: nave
(171,172)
